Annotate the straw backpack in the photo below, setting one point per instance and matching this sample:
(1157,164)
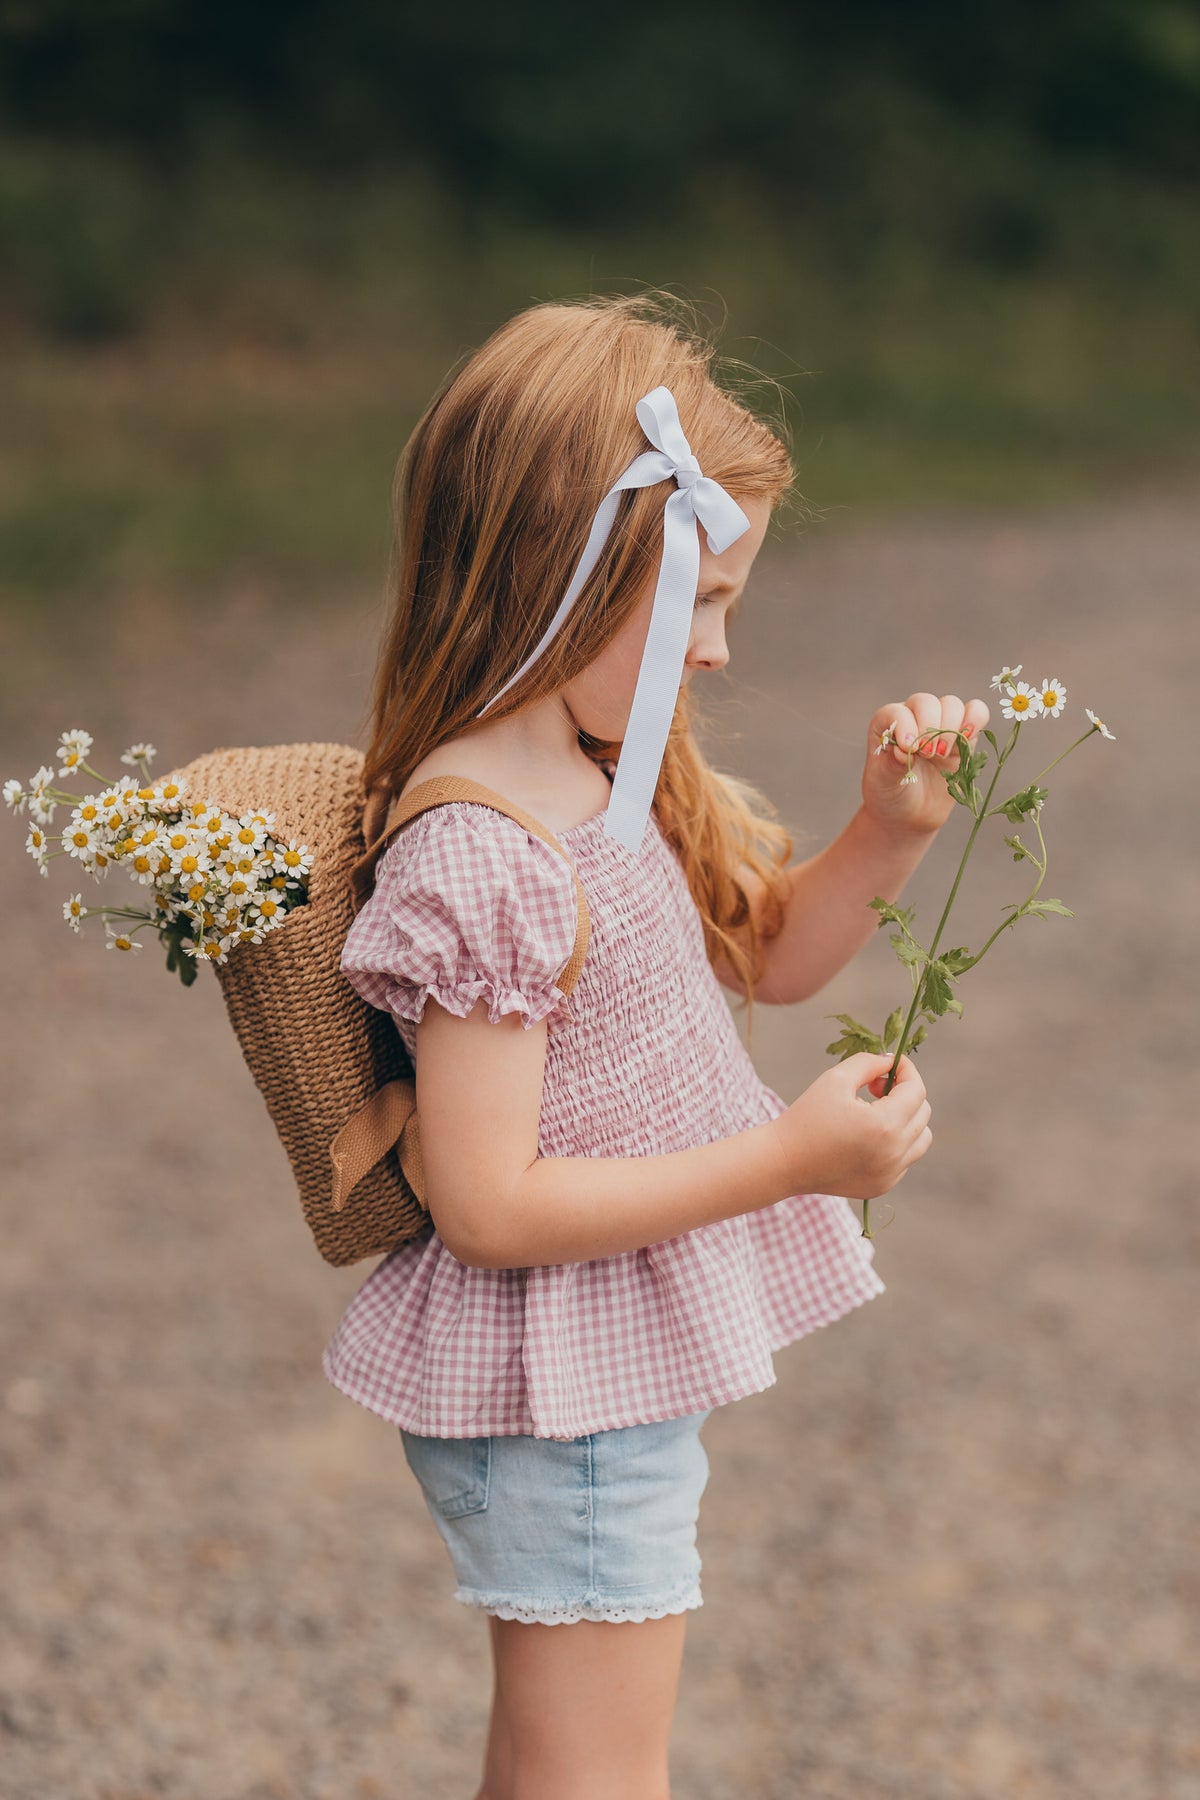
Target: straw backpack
(333,1069)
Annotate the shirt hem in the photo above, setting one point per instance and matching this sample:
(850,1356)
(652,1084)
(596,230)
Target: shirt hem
(403,1418)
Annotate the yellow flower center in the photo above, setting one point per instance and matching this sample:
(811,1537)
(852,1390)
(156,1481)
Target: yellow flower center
(212,950)
(87,812)
(145,793)
(188,865)
(268,908)
(170,790)
(142,864)
(177,840)
(1020,703)
(1049,698)
(124,943)
(291,858)
(245,837)
(77,837)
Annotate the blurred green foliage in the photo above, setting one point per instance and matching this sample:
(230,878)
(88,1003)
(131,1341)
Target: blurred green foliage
(239,246)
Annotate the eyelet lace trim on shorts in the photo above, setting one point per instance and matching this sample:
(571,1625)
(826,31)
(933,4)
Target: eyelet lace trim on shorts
(548,1613)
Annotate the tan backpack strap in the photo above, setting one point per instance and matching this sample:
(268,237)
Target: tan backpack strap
(443,790)
(388,1117)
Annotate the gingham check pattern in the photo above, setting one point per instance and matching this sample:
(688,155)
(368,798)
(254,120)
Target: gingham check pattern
(642,1058)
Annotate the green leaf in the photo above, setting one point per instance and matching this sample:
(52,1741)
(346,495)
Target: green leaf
(955,1006)
(917,1039)
(991,738)
(957,961)
(891,1030)
(1018,849)
(909,951)
(889,913)
(1024,803)
(1050,906)
(936,991)
(855,1037)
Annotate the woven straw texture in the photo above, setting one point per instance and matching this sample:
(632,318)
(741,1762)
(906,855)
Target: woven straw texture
(317,1051)
(331,1068)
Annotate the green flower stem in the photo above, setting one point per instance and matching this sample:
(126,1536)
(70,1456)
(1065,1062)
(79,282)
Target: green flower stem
(937,936)
(1052,765)
(912,1011)
(1021,910)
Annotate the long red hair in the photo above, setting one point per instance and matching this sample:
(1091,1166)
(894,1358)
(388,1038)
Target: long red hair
(494,497)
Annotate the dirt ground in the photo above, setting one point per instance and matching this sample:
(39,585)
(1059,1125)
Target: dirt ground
(951,1555)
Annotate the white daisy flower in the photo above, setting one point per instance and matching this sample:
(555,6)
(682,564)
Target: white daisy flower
(909,780)
(1101,727)
(120,940)
(15,795)
(73,747)
(266,908)
(293,863)
(1006,675)
(1021,702)
(249,835)
(38,845)
(138,753)
(40,806)
(73,911)
(1053,697)
(82,838)
(169,793)
(887,740)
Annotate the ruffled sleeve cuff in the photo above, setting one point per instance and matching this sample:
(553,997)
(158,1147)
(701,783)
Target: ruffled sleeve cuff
(467,906)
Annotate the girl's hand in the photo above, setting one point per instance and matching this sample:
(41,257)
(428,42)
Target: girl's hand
(835,1143)
(924,726)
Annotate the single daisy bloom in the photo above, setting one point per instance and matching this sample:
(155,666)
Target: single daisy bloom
(249,835)
(293,863)
(1006,675)
(887,740)
(268,910)
(120,940)
(15,795)
(1053,696)
(73,911)
(1021,702)
(139,753)
(37,845)
(73,747)
(1101,727)
(81,839)
(909,780)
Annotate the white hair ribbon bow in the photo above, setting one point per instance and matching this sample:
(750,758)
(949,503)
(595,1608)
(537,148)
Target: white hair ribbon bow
(698,498)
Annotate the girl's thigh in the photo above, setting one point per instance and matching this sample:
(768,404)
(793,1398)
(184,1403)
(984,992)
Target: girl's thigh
(589,1705)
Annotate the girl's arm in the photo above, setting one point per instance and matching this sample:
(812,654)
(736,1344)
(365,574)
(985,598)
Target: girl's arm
(828,916)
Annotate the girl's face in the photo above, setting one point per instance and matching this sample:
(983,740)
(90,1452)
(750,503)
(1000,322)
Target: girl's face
(600,699)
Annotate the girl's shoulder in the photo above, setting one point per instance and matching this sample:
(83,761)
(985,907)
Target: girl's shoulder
(560,805)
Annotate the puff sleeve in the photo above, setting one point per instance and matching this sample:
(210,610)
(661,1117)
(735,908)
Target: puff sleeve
(467,905)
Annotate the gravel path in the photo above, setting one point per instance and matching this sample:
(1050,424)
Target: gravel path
(951,1555)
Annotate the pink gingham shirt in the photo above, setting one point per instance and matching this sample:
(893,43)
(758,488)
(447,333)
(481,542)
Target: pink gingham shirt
(643,1058)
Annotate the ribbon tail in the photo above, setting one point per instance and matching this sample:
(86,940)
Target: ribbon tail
(658,677)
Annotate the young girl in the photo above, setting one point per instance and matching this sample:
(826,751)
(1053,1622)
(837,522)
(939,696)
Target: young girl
(625,1222)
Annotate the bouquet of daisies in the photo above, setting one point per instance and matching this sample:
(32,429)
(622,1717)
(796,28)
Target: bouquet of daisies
(213,880)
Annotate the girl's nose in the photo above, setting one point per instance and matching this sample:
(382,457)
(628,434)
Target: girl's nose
(709,653)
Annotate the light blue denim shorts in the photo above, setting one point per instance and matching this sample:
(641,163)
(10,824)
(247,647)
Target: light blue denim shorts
(554,1530)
